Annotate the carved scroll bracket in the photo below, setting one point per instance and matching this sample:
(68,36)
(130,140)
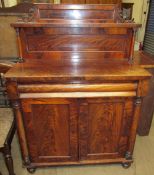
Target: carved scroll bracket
(30,16)
(119,16)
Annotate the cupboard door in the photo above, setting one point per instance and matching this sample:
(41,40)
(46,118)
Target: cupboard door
(51,129)
(104,127)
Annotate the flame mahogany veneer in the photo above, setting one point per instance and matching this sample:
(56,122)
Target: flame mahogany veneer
(76,94)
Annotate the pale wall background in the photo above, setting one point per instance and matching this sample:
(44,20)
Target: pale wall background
(9,3)
(8,44)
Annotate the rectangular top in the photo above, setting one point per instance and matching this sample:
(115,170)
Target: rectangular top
(76,70)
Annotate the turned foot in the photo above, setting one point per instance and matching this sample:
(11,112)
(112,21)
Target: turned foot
(126,165)
(31,170)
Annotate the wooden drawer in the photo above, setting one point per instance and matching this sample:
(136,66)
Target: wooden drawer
(77,90)
(105,87)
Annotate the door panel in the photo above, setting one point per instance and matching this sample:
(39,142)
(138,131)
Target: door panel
(51,128)
(104,127)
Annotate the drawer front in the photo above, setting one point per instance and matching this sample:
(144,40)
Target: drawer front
(104,87)
(77,90)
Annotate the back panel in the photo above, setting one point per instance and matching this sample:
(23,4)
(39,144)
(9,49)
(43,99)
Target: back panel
(42,42)
(89,31)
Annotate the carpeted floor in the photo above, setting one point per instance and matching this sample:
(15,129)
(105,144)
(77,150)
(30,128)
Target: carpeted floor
(143,162)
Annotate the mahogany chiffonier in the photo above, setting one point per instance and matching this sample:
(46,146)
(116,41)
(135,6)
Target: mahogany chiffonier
(76,93)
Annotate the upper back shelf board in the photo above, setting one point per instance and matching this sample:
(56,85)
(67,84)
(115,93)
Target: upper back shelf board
(64,31)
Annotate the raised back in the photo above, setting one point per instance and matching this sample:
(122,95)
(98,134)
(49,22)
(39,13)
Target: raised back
(77,12)
(62,31)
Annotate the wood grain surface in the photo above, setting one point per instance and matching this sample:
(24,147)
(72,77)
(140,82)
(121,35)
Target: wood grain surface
(79,87)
